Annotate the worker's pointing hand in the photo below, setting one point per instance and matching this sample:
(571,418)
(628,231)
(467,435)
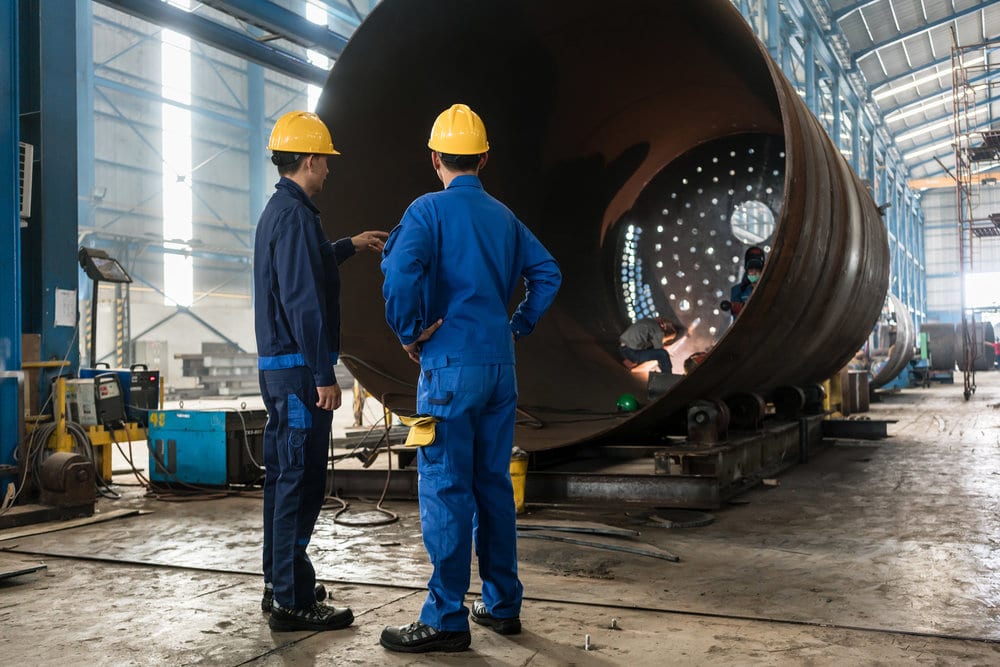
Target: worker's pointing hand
(413,349)
(374,241)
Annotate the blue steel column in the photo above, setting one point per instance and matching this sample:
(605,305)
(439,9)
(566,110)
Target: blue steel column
(837,108)
(906,253)
(923,265)
(10,227)
(856,138)
(786,56)
(773,29)
(810,66)
(49,41)
(257,145)
(873,167)
(85,110)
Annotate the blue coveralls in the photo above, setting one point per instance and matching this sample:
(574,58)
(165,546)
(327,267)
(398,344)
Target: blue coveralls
(458,255)
(297,321)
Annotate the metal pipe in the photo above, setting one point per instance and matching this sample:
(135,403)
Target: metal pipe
(647,148)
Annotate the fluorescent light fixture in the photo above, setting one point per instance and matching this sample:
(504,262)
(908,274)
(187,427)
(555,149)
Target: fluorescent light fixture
(924,129)
(922,80)
(928,149)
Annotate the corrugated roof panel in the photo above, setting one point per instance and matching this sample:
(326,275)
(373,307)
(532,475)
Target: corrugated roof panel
(910,14)
(992,19)
(871,69)
(854,29)
(919,49)
(894,58)
(880,21)
(941,40)
(970,29)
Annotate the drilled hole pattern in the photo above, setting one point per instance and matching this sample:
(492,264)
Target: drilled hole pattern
(681,245)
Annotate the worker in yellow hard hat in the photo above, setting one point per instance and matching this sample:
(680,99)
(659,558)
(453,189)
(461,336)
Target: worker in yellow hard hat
(451,267)
(297,323)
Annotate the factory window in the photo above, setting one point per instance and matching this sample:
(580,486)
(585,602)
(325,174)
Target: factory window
(981,289)
(175,65)
(315,14)
(752,222)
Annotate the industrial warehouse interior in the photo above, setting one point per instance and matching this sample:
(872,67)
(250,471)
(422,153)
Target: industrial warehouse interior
(752,298)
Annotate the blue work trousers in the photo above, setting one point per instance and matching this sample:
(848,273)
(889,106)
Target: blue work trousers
(465,491)
(296,442)
(640,356)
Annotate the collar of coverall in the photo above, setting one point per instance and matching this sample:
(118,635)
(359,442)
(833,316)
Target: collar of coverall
(466,180)
(296,191)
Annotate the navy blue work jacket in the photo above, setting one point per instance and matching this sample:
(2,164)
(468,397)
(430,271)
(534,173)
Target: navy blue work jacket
(458,255)
(297,286)
(741,291)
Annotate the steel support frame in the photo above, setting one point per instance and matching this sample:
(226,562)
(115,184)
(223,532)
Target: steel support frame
(221,37)
(280,21)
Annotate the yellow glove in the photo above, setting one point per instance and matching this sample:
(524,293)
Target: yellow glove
(421,430)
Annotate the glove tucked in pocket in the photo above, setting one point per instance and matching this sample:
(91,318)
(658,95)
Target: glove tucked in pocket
(421,430)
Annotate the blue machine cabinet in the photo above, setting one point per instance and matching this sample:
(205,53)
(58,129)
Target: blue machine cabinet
(206,448)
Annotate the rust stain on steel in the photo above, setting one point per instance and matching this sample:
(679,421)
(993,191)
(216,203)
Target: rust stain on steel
(600,120)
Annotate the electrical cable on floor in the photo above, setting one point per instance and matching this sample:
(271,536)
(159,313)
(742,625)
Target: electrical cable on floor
(165,495)
(390,516)
(195,492)
(26,468)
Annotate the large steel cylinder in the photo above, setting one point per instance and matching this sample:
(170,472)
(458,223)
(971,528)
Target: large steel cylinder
(647,144)
(900,353)
(944,344)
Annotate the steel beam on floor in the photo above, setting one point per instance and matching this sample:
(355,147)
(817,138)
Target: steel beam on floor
(700,478)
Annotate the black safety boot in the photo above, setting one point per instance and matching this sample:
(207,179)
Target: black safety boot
(314,617)
(420,638)
(502,626)
(268,599)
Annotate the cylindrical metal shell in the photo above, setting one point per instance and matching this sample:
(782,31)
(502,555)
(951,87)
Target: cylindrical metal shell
(902,349)
(604,121)
(943,344)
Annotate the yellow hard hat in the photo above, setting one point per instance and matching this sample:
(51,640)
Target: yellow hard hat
(459,131)
(301,132)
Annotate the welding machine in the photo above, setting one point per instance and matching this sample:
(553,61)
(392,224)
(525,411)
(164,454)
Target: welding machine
(206,448)
(140,388)
(95,401)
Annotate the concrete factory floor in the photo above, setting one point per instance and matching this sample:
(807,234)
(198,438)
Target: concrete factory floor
(872,553)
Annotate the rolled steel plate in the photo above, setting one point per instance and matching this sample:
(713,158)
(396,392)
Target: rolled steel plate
(647,145)
(943,343)
(902,349)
